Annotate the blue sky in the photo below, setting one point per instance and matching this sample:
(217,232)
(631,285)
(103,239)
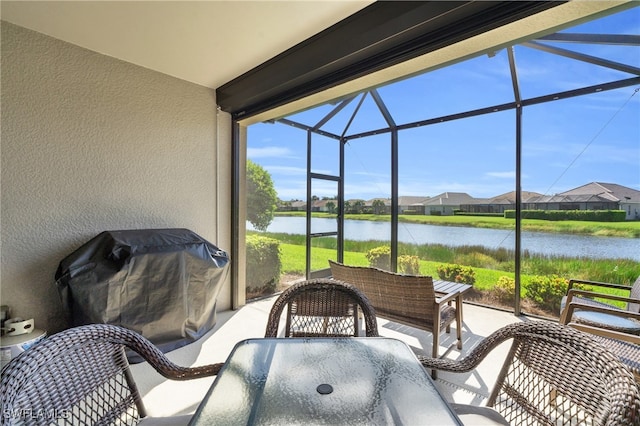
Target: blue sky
(566,143)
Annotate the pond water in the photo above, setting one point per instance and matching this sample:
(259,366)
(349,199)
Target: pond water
(534,242)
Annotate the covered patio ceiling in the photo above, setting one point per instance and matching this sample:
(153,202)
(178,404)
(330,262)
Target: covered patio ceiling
(204,42)
(268,59)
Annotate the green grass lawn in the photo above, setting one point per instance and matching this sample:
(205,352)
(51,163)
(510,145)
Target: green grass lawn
(293,261)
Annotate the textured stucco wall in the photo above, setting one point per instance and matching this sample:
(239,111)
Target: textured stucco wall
(91,143)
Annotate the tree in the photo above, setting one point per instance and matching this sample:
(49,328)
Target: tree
(357,206)
(378,206)
(261,196)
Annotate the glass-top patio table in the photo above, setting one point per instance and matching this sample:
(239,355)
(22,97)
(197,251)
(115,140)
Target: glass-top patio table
(376,381)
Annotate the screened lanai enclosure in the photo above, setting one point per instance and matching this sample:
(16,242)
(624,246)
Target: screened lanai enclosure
(442,173)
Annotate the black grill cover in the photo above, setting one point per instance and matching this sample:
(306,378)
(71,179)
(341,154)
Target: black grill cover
(162,283)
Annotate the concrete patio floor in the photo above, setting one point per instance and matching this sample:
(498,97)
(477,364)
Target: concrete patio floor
(168,398)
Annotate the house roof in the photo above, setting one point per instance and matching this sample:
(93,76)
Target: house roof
(510,197)
(409,200)
(386,201)
(606,191)
(323,203)
(449,199)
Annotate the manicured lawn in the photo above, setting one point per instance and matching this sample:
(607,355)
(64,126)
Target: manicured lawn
(293,261)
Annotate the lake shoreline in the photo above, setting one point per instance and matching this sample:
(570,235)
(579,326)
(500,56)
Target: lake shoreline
(627,229)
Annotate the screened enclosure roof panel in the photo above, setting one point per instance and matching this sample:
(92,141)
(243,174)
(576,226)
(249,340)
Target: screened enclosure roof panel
(561,65)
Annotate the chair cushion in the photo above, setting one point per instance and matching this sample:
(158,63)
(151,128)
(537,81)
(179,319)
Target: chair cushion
(474,415)
(601,319)
(613,322)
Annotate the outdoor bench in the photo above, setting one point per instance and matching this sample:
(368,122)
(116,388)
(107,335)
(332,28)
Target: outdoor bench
(413,300)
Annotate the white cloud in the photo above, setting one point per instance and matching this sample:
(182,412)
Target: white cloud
(269,151)
(502,175)
(366,190)
(291,192)
(286,170)
(372,175)
(298,190)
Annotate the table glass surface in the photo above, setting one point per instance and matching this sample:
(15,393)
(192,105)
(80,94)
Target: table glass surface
(376,381)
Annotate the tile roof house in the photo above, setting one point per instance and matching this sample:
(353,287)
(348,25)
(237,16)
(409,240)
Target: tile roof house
(412,204)
(497,204)
(324,205)
(591,196)
(446,203)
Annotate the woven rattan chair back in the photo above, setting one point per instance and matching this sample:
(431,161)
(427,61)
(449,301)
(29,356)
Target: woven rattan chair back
(397,296)
(554,375)
(406,299)
(322,308)
(81,376)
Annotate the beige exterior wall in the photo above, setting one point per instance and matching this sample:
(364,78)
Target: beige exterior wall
(91,143)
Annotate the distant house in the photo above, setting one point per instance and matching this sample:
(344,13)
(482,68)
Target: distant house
(411,204)
(497,204)
(592,196)
(292,206)
(379,205)
(354,205)
(446,203)
(325,206)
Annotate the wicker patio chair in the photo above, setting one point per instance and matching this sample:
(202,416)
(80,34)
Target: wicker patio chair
(626,346)
(81,376)
(602,319)
(552,375)
(322,308)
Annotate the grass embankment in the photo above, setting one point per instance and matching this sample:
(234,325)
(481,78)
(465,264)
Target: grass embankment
(488,264)
(627,229)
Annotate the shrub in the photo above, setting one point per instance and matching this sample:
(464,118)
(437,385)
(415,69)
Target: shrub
(547,291)
(456,273)
(505,290)
(588,215)
(380,257)
(263,265)
(479,260)
(408,264)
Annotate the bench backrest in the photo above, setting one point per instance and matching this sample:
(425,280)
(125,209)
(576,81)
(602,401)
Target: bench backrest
(403,298)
